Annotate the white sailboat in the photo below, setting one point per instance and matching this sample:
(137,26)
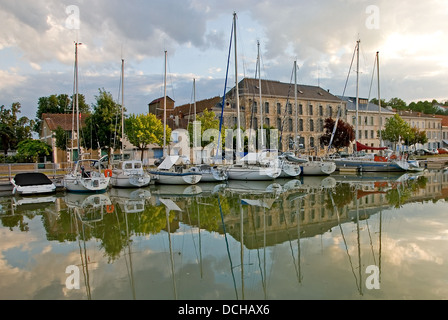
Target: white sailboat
(84,177)
(172,170)
(309,166)
(252,166)
(369,163)
(210,172)
(130,173)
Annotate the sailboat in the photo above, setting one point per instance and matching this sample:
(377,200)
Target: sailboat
(210,172)
(173,170)
(254,166)
(309,166)
(84,176)
(128,173)
(369,163)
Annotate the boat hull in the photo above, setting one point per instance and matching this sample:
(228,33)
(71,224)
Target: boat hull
(371,165)
(253,173)
(124,180)
(318,168)
(76,183)
(32,183)
(174,178)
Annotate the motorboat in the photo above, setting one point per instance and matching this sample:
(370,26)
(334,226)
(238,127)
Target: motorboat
(30,183)
(130,174)
(173,171)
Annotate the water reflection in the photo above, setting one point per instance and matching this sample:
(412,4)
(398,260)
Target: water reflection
(240,240)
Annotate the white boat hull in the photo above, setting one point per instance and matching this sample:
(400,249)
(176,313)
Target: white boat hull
(318,168)
(161,177)
(290,170)
(38,189)
(253,173)
(76,183)
(121,179)
(32,183)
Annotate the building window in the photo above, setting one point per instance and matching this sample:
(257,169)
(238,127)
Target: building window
(289,108)
(302,142)
(311,110)
(321,111)
(312,142)
(255,123)
(330,111)
(300,124)
(267,122)
(372,134)
(300,109)
(266,107)
(291,128)
(255,108)
(321,125)
(311,125)
(279,108)
(279,124)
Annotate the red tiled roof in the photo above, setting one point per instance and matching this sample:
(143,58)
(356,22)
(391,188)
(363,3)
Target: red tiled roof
(65,121)
(444,120)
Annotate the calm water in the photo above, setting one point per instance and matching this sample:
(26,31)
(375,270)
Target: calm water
(338,237)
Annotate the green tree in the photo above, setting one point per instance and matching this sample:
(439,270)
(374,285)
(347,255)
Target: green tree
(30,150)
(13,130)
(397,103)
(145,129)
(61,138)
(396,130)
(208,121)
(103,126)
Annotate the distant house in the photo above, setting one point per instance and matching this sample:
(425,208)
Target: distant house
(50,123)
(156,107)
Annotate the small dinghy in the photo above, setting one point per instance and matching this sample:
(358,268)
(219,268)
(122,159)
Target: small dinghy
(32,183)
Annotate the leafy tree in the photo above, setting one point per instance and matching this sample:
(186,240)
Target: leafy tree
(13,130)
(61,138)
(145,129)
(396,130)
(397,103)
(343,137)
(30,150)
(103,126)
(208,121)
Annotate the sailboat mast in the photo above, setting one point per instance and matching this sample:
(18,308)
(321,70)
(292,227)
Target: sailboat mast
(194,97)
(76,98)
(237,95)
(260,93)
(379,95)
(357,93)
(164,109)
(122,107)
(296,142)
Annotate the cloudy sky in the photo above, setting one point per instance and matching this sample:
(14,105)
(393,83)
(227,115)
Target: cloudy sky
(37,47)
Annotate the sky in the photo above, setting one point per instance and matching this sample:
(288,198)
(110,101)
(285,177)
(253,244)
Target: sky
(37,48)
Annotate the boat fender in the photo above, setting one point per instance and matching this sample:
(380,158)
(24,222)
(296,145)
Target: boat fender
(110,208)
(108,173)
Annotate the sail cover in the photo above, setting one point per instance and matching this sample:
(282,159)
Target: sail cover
(360,147)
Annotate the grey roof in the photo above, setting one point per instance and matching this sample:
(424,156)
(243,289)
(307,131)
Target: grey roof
(271,88)
(366,107)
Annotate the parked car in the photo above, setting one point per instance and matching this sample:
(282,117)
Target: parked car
(442,150)
(424,152)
